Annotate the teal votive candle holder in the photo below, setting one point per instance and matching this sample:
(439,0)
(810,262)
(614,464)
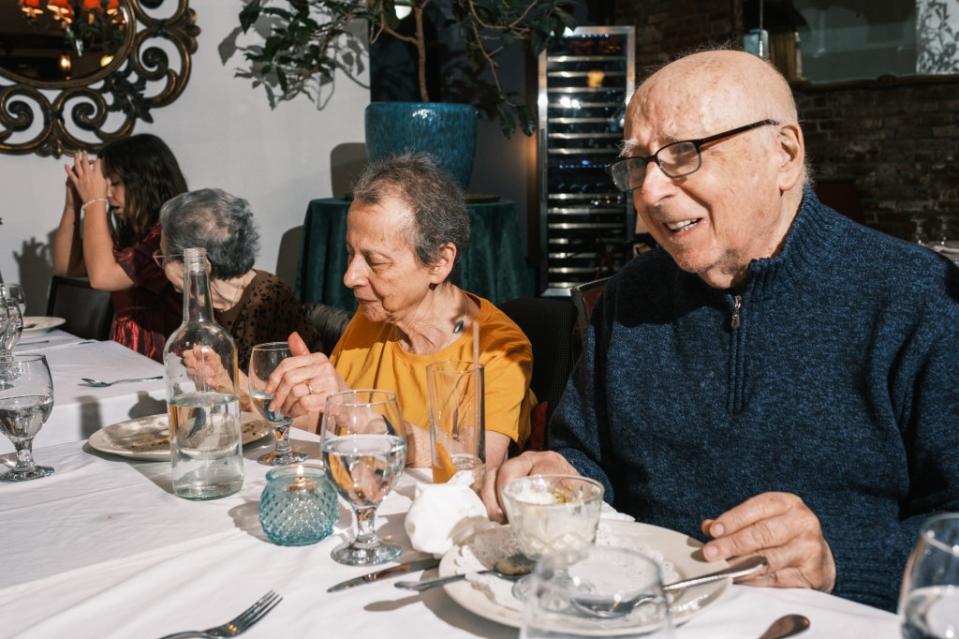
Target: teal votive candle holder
(298,505)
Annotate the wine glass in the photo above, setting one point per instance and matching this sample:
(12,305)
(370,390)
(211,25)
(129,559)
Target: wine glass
(929,601)
(24,406)
(364,449)
(918,229)
(596,590)
(263,360)
(943,229)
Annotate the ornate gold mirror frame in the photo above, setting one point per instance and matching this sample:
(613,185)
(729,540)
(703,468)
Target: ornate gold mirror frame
(57,117)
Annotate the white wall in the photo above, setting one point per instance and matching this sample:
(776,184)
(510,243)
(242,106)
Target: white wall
(224,135)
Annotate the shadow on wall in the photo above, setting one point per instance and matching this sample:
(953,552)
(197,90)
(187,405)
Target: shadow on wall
(347,162)
(288,258)
(34,270)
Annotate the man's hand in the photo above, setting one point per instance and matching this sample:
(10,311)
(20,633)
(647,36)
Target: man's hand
(782,528)
(529,463)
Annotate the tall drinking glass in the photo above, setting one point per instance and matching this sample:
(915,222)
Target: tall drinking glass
(596,590)
(263,361)
(24,407)
(929,602)
(11,327)
(13,291)
(457,433)
(364,448)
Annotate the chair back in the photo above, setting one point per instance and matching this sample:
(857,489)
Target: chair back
(329,322)
(548,323)
(584,298)
(89,312)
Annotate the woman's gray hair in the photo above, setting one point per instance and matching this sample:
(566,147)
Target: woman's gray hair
(433,196)
(217,221)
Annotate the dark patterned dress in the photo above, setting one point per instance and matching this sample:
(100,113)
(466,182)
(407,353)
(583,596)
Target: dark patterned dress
(266,312)
(147,312)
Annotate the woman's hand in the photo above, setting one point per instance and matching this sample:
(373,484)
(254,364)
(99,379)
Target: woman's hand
(301,384)
(87,177)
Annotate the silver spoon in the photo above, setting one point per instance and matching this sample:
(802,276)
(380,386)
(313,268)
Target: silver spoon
(508,569)
(786,626)
(97,383)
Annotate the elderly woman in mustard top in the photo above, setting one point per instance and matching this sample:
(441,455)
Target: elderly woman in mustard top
(406,229)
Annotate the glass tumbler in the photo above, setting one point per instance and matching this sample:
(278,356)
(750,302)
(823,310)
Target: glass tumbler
(929,601)
(596,590)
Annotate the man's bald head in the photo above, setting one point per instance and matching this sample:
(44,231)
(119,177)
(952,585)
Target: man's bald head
(714,90)
(715,206)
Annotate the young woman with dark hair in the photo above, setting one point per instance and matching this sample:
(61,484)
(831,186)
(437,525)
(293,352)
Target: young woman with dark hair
(131,180)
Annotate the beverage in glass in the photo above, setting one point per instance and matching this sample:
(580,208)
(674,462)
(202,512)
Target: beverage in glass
(25,404)
(263,361)
(364,448)
(457,421)
(929,601)
(204,410)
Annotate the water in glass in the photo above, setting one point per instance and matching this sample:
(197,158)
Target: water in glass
(929,603)
(25,404)
(364,449)
(264,359)
(206,445)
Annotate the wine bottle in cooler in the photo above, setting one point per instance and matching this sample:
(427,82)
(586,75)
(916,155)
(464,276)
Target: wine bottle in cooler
(204,409)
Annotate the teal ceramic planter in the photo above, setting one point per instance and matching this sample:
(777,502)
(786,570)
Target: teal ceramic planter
(444,130)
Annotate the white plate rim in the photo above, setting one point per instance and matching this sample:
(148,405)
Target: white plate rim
(101,441)
(44,323)
(675,546)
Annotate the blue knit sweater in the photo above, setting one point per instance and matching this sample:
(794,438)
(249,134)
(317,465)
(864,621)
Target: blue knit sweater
(840,384)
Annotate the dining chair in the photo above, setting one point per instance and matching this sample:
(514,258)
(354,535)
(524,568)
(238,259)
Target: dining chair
(329,322)
(548,323)
(87,311)
(584,298)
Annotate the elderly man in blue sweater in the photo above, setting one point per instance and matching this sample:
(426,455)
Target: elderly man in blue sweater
(776,379)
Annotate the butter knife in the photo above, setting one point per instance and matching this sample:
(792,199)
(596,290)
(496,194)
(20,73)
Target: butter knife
(399,569)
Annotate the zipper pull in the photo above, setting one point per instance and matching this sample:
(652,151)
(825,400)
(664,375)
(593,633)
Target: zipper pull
(737,307)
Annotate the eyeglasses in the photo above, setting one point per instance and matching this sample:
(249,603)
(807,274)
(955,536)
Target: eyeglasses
(162,259)
(675,160)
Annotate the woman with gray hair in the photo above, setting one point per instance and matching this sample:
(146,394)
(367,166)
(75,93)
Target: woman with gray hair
(254,306)
(406,229)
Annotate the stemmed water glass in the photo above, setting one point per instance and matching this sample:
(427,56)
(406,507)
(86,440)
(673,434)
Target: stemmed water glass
(364,449)
(24,407)
(14,291)
(929,602)
(263,361)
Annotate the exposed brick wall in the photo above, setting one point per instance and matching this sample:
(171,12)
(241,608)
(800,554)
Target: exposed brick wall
(897,144)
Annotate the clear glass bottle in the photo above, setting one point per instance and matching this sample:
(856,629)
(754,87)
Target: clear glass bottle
(201,374)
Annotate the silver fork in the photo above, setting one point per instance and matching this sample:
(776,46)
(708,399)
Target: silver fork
(239,624)
(99,383)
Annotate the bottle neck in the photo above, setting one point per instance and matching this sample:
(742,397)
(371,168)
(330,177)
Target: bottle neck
(197,306)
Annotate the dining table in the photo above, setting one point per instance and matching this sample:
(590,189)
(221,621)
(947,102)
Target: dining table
(104,548)
(79,408)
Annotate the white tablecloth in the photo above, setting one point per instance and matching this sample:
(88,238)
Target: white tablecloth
(80,410)
(103,549)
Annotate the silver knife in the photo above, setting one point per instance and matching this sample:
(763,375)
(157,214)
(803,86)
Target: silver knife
(399,569)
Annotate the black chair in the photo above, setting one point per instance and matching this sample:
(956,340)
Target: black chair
(584,298)
(89,312)
(329,322)
(549,324)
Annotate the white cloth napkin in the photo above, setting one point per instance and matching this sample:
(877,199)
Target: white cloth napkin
(443,514)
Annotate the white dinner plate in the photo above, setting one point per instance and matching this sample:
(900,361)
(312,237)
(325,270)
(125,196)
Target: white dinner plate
(148,438)
(491,598)
(40,323)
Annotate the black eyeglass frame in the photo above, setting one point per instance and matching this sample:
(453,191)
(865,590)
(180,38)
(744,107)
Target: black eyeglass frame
(697,145)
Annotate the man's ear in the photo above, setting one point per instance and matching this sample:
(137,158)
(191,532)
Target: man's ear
(442,266)
(791,153)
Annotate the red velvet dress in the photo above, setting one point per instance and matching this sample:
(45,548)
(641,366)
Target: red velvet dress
(151,309)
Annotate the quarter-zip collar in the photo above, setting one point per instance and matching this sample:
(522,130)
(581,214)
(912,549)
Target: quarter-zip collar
(811,239)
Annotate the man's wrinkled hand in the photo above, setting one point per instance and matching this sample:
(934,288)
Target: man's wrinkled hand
(529,463)
(781,527)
